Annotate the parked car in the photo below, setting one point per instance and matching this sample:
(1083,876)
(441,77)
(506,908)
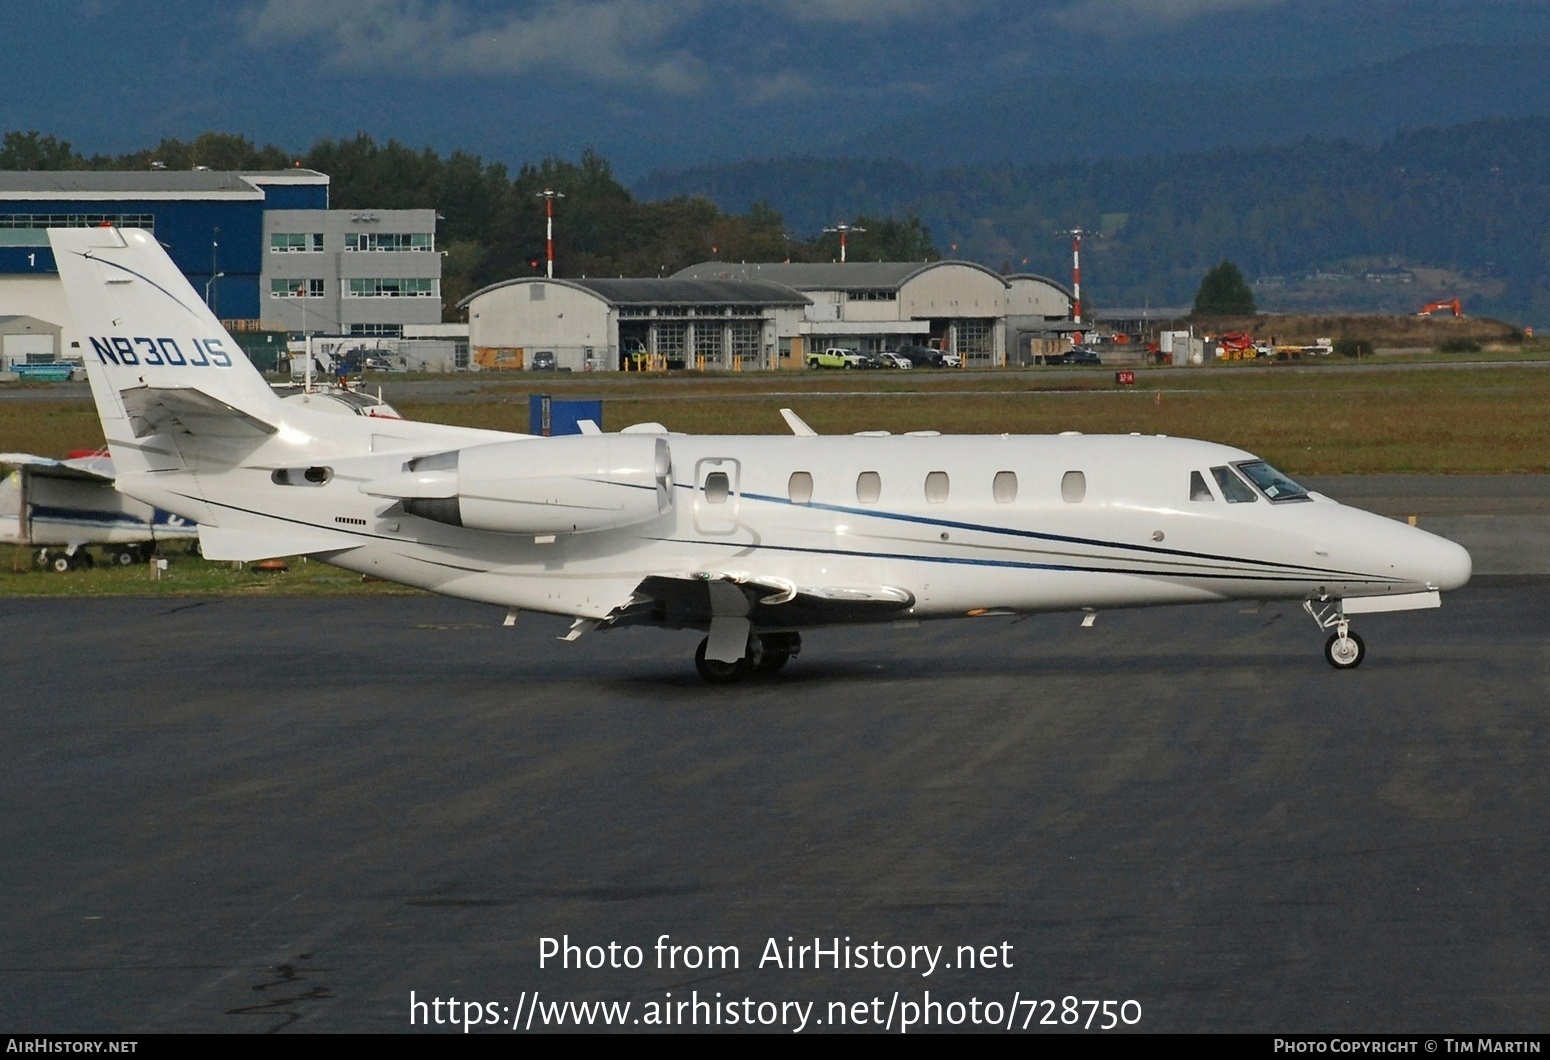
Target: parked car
(1075,355)
(921,356)
(895,360)
(543,361)
(951,360)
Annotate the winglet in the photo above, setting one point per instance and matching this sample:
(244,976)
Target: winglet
(797,425)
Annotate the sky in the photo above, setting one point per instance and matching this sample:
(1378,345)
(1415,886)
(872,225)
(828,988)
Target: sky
(653,84)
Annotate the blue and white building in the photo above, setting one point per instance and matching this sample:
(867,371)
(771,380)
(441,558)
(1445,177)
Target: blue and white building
(220,229)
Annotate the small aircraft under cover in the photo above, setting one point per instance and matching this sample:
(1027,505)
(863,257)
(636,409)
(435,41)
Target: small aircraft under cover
(752,539)
(60,506)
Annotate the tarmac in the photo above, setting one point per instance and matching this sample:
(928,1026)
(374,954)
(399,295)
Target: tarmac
(253,815)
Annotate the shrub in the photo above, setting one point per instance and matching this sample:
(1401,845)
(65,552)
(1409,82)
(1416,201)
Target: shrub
(1459,346)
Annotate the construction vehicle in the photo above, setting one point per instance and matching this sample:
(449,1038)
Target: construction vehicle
(1436,307)
(1236,346)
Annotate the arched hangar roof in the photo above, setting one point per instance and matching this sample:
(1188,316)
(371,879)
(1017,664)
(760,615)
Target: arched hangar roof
(825,275)
(1062,288)
(670,291)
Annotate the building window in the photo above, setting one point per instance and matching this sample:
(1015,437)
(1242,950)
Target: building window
(391,241)
(936,487)
(384,331)
(393,287)
(29,229)
(1004,487)
(296,288)
(295,242)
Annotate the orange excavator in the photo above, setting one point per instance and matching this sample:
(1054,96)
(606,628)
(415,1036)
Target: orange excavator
(1436,307)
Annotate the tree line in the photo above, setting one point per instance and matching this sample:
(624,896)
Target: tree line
(1470,198)
(492,220)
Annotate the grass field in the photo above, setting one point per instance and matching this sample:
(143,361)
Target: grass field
(1330,420)
(1468,420)
(187,575)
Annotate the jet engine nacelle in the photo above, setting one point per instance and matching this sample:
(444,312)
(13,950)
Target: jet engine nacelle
(540,486)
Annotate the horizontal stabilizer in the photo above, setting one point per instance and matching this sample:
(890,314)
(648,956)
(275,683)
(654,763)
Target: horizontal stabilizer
(186,410)
(223,543)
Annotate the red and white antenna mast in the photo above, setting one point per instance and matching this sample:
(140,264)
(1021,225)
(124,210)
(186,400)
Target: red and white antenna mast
(843,229)
(1076,235)
(549,195)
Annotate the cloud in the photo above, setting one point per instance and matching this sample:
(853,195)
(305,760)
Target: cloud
(619,41)
(1124,17)
(870,11)
(605,40)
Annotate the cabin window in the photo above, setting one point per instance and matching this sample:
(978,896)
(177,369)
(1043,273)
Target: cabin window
(1073,487)
(1004,487)
(800,487)
(936,487)
(1233,488)
(869,486)
(717,487)
(1274,485)
(1198,490)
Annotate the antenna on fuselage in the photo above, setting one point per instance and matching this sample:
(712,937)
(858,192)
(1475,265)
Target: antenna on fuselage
(798,426)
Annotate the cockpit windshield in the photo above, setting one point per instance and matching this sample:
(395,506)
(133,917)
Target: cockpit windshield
(1274,485)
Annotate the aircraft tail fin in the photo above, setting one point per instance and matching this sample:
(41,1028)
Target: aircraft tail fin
(157,358)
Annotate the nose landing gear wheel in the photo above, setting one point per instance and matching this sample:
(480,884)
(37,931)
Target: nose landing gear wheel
(1345,652)
(717,672)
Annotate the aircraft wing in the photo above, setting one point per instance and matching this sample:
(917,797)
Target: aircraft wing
(695,598)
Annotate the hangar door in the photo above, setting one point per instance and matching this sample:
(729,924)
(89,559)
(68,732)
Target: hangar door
(26,349)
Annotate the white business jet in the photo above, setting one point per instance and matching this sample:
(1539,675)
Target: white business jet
(749,538)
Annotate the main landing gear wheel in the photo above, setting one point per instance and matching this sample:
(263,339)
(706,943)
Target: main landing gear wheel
(768,652)
(127,556)
(717,672)
(64,562)
(1345,651)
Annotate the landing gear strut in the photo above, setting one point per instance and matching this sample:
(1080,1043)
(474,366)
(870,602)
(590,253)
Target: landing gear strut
(767,653)
(1344,649)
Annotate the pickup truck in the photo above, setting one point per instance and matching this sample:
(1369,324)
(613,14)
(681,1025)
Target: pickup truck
(834,357)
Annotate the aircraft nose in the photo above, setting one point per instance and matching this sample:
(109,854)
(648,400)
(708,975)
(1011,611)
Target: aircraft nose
(1448,564)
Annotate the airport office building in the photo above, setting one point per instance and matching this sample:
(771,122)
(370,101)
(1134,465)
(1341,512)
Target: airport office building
(263,248)
(750,316)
